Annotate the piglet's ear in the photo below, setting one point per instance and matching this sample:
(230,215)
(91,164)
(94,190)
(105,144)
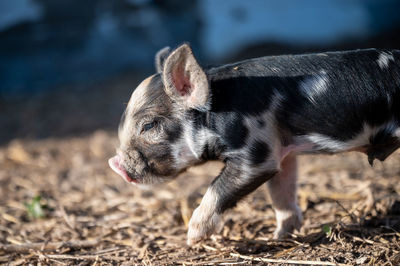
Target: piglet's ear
(185,81)
(160,57)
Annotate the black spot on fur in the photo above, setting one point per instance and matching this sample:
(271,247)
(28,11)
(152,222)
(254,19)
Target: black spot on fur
(212,151)
(260,123)
(244,95)
(230,192)
(158,159)
(199,118)
(259,152)
(381,146)
(174,132)
(234,131)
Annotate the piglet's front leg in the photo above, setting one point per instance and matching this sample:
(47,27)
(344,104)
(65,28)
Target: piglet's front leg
(225,191)
(204,218)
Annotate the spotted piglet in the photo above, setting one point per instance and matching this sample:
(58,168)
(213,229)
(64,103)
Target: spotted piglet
(256,116)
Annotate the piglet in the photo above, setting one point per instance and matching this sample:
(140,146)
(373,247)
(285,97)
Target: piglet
(256,116)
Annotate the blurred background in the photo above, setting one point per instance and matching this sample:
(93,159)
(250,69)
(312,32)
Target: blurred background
(67,70)
(67,66)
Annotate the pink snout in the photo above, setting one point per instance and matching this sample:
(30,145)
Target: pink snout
(115,164)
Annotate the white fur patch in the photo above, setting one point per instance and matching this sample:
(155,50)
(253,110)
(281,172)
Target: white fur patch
(188,137)
(204,136)
(314,86)
(135,103)
(384,58)
(326,142)
(190,147)
(397,133)
(360,140)
(183,150)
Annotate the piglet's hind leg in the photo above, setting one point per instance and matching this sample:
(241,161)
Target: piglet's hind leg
(282,190)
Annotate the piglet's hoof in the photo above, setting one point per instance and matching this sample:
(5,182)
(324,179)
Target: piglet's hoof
(287,222)
(201,226)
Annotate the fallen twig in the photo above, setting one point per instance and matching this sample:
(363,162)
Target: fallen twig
(303,262)
(27,247)
(83,257)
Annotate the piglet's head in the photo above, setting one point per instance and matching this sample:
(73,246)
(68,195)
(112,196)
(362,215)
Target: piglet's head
(153,147)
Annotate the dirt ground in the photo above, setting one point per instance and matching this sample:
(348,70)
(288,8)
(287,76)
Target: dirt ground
(86,214)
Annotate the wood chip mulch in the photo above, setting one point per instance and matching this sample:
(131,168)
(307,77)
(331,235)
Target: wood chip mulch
(91,216)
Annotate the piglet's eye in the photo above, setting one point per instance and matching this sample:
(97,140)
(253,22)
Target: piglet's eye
(149,126)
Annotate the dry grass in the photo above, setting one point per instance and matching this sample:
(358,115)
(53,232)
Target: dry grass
(351,211)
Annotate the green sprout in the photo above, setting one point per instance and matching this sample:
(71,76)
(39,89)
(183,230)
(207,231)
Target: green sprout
(35,208)
(327,229)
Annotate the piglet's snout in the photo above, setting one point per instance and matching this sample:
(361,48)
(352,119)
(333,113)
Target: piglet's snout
(116,165)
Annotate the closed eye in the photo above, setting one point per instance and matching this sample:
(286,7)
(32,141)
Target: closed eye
(148,126)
